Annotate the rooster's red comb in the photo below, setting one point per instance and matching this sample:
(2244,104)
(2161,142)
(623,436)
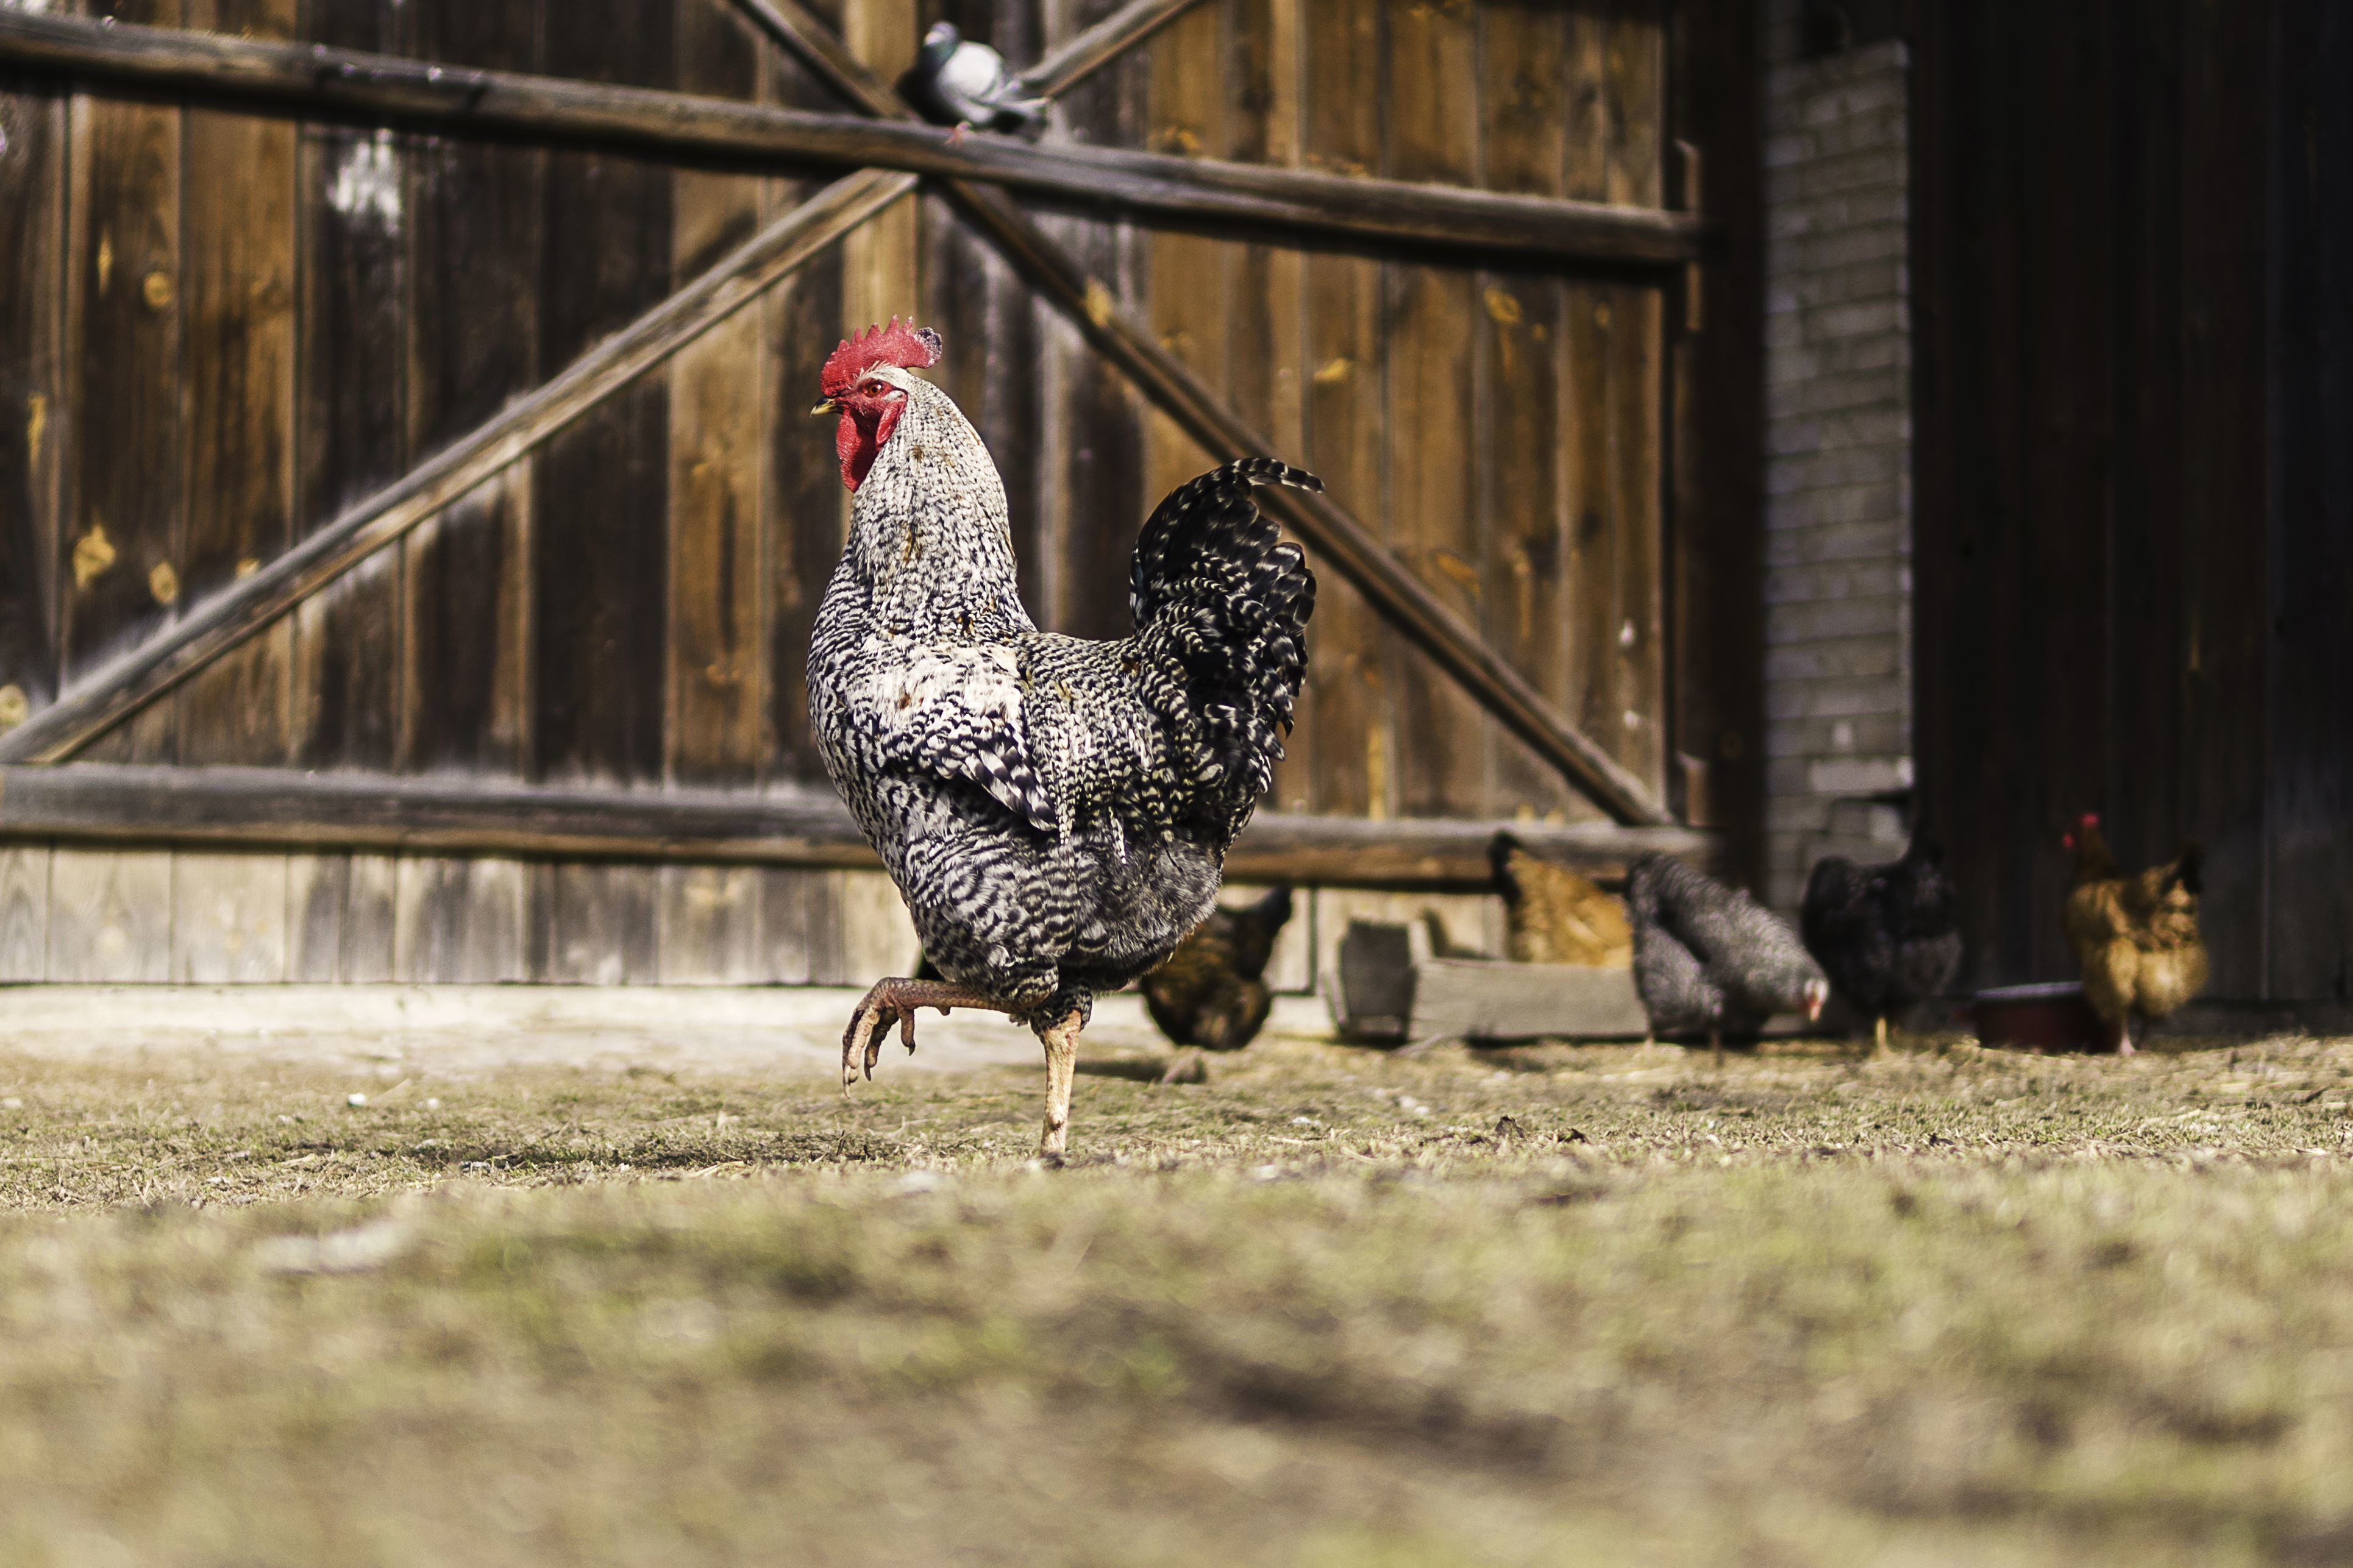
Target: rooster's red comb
(910,347)
(2091,819)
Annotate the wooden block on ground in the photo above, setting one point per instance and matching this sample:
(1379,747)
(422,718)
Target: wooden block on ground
(1370,982)
(1467,999)
(457,922)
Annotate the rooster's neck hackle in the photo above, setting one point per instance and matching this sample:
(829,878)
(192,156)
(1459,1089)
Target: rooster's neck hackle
(930,538)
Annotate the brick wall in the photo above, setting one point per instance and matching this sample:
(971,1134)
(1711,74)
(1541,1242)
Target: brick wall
(1838,518)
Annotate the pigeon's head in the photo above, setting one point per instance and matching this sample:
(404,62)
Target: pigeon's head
(865,381)
(941,42)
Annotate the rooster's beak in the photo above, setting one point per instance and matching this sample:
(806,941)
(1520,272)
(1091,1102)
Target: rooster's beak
(822,409)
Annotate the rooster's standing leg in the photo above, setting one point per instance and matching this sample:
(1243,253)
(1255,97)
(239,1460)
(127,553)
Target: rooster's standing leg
(1715,1047)
(1061,1043)
(894,1001)
(1879,1039)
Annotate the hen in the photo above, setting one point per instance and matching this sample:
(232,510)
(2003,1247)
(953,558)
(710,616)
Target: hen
(1055,811)
(1709,958)
(2135,938)
(1553,915)
(1211,993)
(1888,936)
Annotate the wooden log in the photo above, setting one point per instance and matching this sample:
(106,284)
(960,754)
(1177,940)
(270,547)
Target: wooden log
(160,663)
(794,826)
(1334,208)
(1471,999)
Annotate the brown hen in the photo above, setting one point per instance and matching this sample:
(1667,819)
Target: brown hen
(2135,938)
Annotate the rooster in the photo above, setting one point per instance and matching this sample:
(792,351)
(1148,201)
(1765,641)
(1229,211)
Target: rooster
(1055,811)
(1888,936)
(2135,938)
(1710,958)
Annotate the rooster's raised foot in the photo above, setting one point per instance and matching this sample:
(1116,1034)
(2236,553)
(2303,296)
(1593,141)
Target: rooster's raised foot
(894,1001)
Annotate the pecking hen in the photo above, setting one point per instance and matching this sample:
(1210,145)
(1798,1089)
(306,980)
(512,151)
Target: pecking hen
(1553,915)
(1888,936)
(1710,959)
(1055,811)
(1211,993)
(2135,938)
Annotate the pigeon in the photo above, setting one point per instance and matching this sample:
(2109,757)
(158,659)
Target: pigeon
(956,82)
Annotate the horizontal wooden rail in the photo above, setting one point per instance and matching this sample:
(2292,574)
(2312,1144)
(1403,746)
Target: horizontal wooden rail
(131,680)
(265,808)
(1295,202)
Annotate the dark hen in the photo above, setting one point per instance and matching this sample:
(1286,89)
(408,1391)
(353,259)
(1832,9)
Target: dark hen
(1888,936)
(1709,959)
(1211,993)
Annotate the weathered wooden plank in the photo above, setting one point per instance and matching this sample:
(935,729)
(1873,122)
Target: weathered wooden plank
(601,925)
(1266,368)
(1458,999)
(1432,103)
(239,281)
(707,926)
(459,921)
(1637,347)
(1635,86)
(877,936)
(878,261)
(1299,203)
(1591,567)
(125,540)
(1084,52)
(371,919)
(110,916)
(1101,501)
(718,411)
(800,927)
(353,412)
(228,918)
(1355,733)
(1189,309)
(24,912)
(32,400)
(1462,925)
(473,344)
(318,886)
(2309,807)
(1521,415)
(600,490)
(1718,537)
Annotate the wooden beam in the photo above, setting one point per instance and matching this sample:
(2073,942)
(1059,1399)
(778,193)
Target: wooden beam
(261,808)
(146,672)
(1086,52)
(1339,540)
(1294,203)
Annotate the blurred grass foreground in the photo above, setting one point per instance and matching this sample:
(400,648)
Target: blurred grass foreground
(1331,1307)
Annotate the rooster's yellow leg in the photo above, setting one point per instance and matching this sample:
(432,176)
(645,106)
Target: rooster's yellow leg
(1879,1041)
(894,1001)
(1061,1043)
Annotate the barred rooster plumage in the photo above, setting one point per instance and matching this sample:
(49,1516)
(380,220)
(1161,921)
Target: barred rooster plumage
(1055,811)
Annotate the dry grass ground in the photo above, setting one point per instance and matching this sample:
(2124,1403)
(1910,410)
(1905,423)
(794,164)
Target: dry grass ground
(1331,1308)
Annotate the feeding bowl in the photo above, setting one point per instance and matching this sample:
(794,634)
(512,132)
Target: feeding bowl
(2050,1017)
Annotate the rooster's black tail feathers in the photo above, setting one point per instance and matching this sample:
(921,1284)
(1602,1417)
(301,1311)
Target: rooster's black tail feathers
(1221,605)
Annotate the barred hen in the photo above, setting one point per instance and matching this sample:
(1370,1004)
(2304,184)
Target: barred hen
(1710,959)
(2137,937)
(1888,936)
(1055,811)
(1211,993)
